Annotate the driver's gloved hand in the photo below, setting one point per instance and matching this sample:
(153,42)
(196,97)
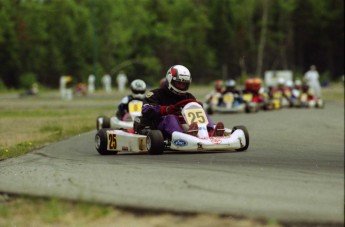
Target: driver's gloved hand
(165,110)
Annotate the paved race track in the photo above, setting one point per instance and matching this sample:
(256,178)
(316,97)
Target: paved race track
(292,171)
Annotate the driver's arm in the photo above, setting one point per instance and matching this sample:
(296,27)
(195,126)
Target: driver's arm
(151,107)
(155,105)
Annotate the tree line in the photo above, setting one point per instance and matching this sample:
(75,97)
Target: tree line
(40,40)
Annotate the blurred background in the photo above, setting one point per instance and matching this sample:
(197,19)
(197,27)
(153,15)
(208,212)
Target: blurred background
(41,40)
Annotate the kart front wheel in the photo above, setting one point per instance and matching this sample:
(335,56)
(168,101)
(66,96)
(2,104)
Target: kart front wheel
(101,142)
(155,142)
(246,136)
(251,108)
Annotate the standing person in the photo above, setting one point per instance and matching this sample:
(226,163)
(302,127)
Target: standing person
(159,105)
(66,87)
(91,83)
(62,86)
(311,77)
(106,80)
(121,81)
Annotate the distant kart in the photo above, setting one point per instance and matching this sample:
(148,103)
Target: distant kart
(308,101)
(134,110)
(281,98)
(112,141)
(260,100)
(255,93)
(229,103)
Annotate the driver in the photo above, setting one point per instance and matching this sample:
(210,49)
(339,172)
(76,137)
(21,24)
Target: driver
(138,88)
(159,105)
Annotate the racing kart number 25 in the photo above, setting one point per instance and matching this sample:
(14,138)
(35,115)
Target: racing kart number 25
(196,115)
(112,144)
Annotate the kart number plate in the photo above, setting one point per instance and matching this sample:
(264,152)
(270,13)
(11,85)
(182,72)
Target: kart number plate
(277,95)
(196,115)
(112,143)
(135,107)
(228,98)
(304,97)
(248,97)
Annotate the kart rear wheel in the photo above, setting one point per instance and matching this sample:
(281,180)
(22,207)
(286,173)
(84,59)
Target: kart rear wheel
(101,141)
(102,122)
(246,136)
(155,142)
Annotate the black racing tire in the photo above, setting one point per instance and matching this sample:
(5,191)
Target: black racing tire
(251,108)
(248,108)
(246,135)
(105,124)
(155,142)
(209,111)
(101,141)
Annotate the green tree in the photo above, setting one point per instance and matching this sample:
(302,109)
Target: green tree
(9,44)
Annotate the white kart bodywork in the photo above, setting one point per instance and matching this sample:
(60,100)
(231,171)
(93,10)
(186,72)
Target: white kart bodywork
(119,140)
(134,110)
(182,142)
(235,139)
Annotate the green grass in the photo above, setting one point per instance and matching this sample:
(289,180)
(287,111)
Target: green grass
(30,123)
(335,92)
(48,211)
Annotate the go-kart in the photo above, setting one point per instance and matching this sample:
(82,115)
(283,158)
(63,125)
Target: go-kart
(281,98)
(229,103)
(134,110)
(255,93)
(308,101)
(258,101)
(112,141)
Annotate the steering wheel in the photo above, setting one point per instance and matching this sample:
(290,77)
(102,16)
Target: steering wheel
(184,102)
(179,105)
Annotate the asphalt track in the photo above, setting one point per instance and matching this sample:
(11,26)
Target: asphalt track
(293,171)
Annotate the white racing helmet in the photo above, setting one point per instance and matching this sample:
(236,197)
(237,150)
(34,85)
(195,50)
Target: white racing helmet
(230,83)
(138,88)
(178,79)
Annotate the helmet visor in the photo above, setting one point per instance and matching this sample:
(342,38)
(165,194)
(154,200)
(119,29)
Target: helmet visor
(182,86)
(138,91)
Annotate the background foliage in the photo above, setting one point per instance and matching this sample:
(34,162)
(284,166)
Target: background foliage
(44,39)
